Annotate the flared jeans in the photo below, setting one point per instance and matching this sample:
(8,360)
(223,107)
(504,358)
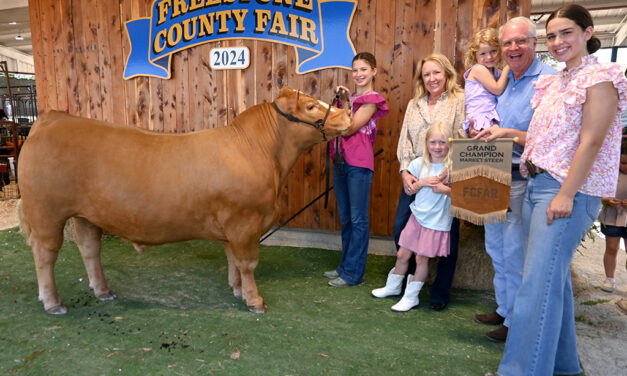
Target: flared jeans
(541,339)
(352,193)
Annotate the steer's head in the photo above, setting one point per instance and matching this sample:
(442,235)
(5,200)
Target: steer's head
(310,112)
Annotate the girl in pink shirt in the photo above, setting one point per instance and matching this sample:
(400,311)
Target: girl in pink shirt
(353,169)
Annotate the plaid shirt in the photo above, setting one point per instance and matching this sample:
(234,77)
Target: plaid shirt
(418,118)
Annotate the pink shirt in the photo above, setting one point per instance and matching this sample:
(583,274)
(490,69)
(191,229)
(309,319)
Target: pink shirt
(357,148)
(553,135)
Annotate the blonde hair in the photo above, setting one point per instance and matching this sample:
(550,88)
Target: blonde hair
(452,87)
(441,128)
(484,36)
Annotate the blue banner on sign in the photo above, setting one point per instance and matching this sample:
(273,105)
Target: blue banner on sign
(318,29)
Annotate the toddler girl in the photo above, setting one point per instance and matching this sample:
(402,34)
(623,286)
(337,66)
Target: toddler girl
(427,232)
(483,81)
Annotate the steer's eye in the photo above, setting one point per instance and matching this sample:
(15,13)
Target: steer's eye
(311,107)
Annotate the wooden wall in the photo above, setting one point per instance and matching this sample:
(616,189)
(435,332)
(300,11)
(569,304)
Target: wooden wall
(80,47)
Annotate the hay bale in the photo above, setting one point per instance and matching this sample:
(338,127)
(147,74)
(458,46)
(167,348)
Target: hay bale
(474,266)
(10,191)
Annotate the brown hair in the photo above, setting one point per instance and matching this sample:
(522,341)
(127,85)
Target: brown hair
(582,18)
(452,87)
(483,36)
(367,57)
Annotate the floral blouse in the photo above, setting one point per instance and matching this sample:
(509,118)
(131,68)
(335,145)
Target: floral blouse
(418,118)
(553,135)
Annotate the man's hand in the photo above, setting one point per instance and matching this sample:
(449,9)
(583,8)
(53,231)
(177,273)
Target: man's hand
(492,133)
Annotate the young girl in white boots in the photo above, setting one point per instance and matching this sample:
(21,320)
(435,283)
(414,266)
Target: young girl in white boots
(426,234)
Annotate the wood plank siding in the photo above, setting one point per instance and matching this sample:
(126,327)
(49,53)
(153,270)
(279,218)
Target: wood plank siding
(80,47)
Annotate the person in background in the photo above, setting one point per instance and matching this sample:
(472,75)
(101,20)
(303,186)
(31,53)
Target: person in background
(571,156)
(623,116)
(353,168)
(483,80)
(504,241)
(613,220)
(438,98)
(427,233)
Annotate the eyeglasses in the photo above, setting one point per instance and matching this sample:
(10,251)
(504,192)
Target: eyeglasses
(520,42)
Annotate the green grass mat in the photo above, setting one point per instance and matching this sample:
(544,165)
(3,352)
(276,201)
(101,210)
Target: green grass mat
(175,315)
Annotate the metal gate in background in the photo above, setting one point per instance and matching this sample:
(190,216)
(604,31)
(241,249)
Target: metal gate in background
(18,111)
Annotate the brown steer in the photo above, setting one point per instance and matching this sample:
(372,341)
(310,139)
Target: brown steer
(154,188)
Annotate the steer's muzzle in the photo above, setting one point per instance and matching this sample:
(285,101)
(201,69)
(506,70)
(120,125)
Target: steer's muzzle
(339,123)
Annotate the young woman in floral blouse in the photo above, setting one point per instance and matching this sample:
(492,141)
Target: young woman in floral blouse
(572,154)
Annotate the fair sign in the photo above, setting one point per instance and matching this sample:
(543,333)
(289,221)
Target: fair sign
(318,30)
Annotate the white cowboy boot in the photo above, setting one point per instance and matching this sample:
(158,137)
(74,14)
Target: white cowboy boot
(410,299)
(393,286)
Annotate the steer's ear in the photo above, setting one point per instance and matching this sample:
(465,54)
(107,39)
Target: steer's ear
(289,99)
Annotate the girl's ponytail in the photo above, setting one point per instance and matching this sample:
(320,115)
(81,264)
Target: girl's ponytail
(593,45)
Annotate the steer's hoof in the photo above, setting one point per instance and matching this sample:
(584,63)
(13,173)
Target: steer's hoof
(238,293)
(57,310)
(106,297)
(259,308)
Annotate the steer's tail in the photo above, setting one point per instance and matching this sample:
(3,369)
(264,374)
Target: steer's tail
(24,225)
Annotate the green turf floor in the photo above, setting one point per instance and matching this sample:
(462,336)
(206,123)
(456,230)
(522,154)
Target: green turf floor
(175,315)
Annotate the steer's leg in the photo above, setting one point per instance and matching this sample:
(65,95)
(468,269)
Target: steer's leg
(246,255)
(235,280)
(88,237)
(45,245)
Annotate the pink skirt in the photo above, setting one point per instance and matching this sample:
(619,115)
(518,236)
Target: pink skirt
(425,241)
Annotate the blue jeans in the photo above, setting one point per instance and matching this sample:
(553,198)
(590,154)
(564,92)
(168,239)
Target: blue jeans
(541,339)
(352,194)
(504,244)
(441,289)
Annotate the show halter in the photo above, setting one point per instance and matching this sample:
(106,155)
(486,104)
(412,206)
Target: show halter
(319,124)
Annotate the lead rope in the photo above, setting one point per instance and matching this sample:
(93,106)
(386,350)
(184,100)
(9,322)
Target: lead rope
(326,192)
(337,102)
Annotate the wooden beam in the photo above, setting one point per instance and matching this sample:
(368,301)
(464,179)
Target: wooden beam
(621,34)
(588,4)
(12,4)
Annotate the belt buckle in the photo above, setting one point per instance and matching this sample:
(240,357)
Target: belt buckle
(531,168)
